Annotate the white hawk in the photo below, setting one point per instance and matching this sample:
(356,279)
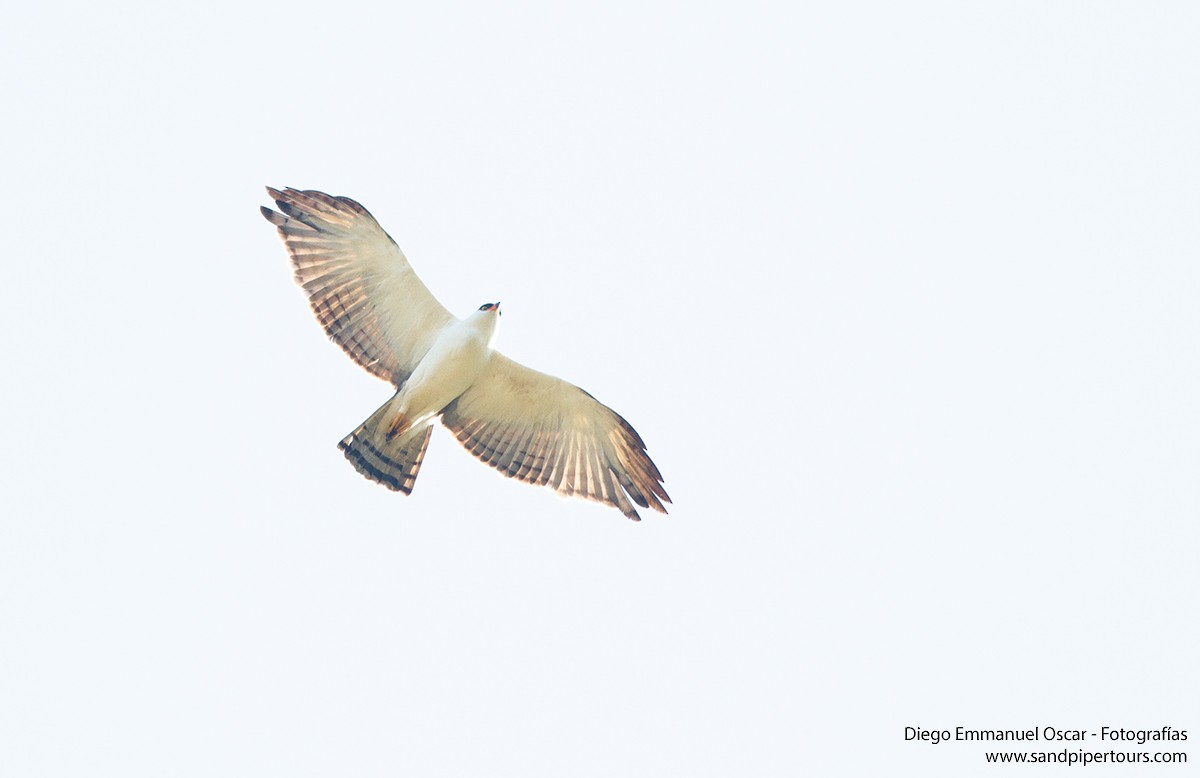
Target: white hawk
(528,425)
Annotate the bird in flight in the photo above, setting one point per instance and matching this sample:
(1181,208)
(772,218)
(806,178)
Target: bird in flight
(528,425)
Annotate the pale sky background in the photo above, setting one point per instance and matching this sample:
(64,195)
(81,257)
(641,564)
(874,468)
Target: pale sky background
(903,298)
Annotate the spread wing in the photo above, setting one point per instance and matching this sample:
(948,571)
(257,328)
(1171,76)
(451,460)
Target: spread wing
(543,430)
(359,284)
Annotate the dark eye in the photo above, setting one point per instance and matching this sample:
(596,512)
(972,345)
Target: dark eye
(485,307)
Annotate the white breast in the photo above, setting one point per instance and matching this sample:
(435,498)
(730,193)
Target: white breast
(456,359)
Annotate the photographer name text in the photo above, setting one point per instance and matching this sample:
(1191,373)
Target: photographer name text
(1046,734)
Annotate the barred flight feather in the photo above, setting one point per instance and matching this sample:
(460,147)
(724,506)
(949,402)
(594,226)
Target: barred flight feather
(359,284)
(542,430)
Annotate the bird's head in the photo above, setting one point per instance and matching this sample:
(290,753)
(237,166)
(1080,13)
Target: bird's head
(486,319)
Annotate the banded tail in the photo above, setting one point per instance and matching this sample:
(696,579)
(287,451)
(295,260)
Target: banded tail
(392,462)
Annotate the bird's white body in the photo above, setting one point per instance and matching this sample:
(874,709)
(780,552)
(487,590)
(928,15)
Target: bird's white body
(457,358)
